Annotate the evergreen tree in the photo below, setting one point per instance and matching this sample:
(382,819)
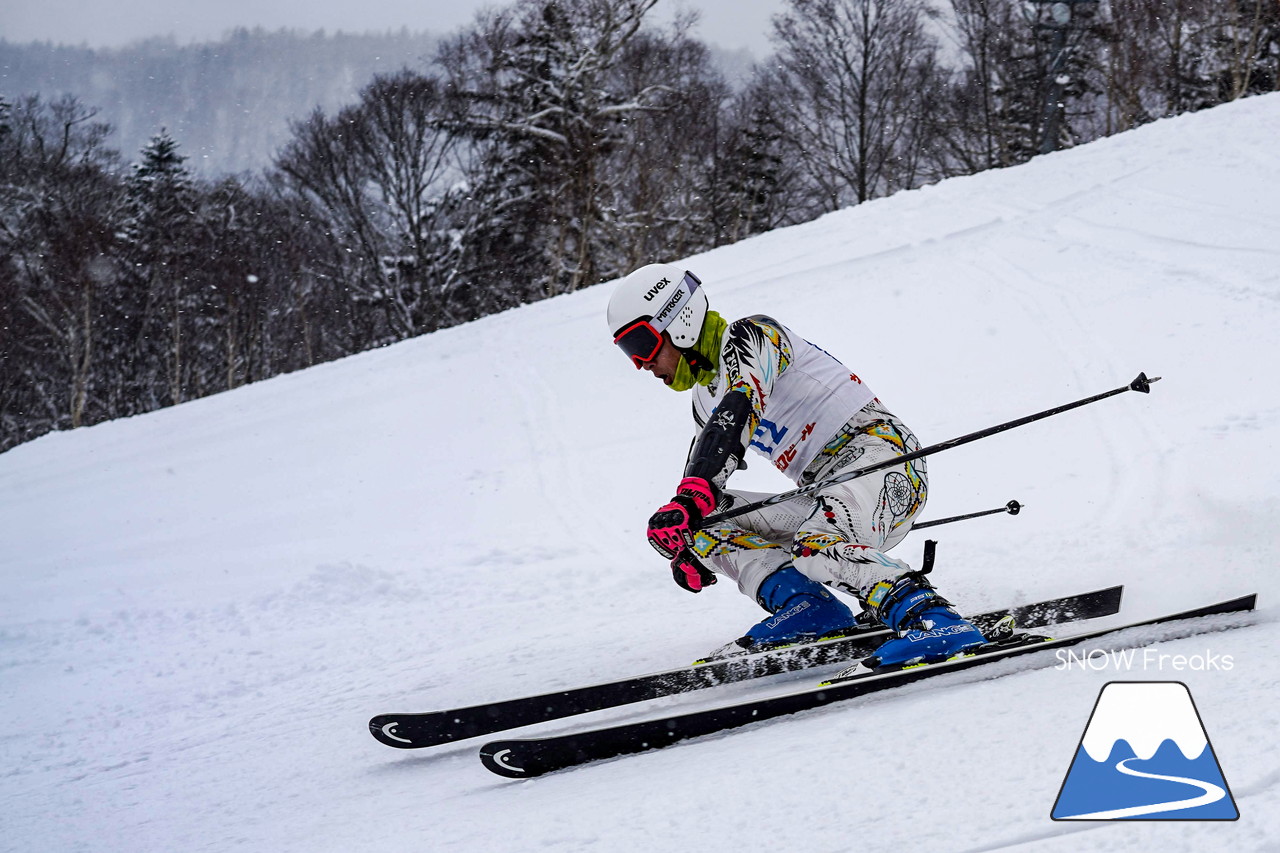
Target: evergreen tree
(752,186)
(163,302)
(541,86)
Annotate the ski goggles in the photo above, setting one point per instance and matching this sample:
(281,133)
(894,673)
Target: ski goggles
(642,340)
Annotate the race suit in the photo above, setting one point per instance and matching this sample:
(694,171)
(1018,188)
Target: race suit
(812,418)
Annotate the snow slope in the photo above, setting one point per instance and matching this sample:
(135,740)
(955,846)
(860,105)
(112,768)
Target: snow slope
(201,608)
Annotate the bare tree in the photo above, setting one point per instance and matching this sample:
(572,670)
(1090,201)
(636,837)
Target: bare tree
(661,176)
(987,117)
(383,173)
(852,72)
(56,199)
(1246,41)
(1165,57)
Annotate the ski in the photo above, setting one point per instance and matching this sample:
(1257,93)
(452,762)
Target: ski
(417,730)
(521,759)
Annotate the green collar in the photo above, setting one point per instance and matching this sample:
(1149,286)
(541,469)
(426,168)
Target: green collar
(708,346)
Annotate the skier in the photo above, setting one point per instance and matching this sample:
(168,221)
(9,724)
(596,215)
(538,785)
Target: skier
(757,384)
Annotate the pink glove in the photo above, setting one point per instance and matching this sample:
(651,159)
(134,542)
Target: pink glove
(671,527)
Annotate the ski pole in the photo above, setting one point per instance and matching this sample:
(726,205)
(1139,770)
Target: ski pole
(1142,384)
(1012,507)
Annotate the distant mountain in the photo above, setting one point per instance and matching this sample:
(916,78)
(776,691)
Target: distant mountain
(228,102)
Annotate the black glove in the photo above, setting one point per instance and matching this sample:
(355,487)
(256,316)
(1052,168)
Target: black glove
(689,573)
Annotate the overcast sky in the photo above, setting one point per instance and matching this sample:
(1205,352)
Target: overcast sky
(112,23)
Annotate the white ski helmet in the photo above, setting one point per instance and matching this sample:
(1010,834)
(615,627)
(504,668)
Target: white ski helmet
(667,298)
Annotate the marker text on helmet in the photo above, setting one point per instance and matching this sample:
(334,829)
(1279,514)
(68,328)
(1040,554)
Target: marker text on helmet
(663,317)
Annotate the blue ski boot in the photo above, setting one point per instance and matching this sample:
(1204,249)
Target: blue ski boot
(802,609)
(927,628)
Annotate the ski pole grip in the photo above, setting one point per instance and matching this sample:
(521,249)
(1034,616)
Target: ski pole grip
(926,563)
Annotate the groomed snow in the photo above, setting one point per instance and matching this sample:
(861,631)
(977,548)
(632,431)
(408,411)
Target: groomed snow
(201,608)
